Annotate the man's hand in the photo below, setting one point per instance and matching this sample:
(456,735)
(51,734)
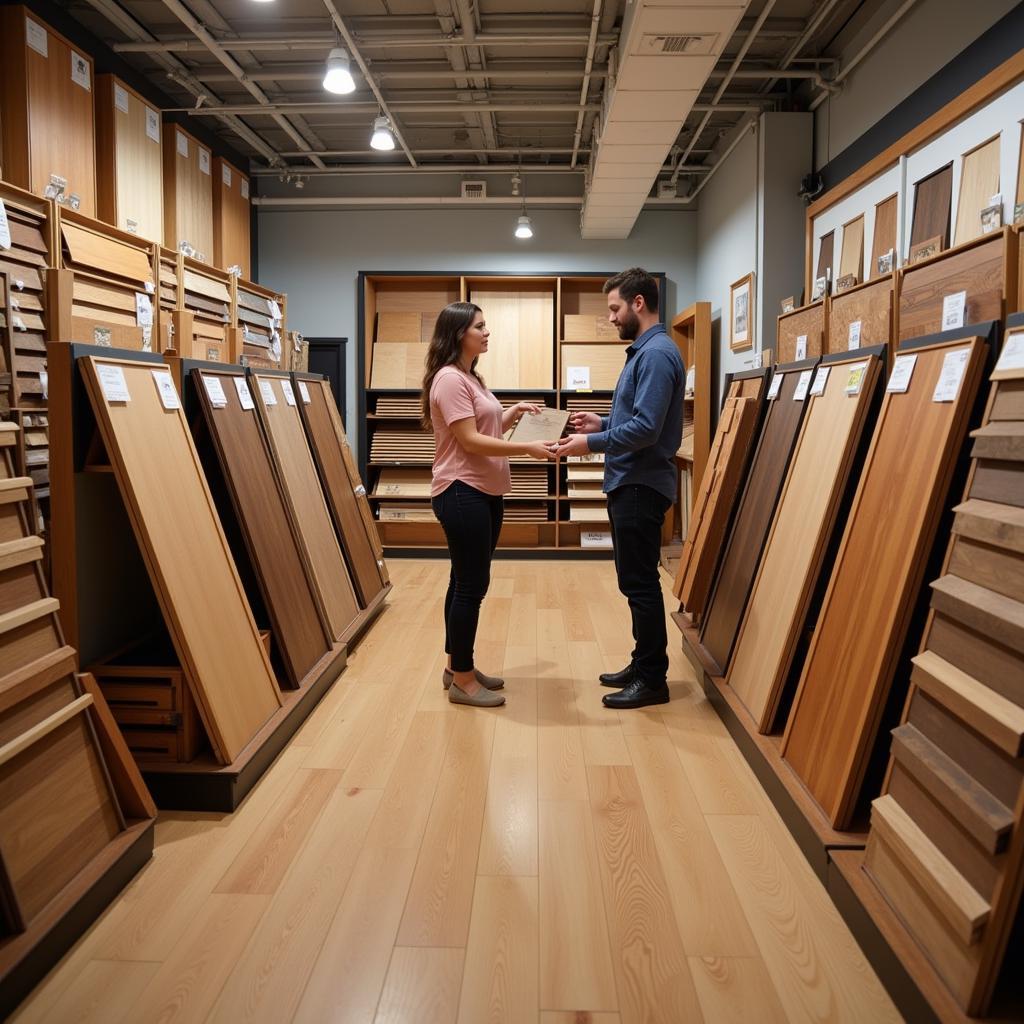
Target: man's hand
(585,422)
(574,444)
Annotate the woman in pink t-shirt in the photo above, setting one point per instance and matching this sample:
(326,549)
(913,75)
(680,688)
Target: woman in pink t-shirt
(470,476)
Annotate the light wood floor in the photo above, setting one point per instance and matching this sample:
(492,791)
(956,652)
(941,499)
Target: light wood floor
(408,860)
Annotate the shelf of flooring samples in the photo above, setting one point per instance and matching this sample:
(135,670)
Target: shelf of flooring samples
(862,316)
(855,655)
(800,334)
(206,294)
(260,315)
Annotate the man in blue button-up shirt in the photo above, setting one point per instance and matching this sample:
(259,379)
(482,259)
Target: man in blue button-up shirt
(639,440)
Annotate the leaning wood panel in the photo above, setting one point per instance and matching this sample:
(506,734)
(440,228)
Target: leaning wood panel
(979,181)
(883,240)
(186,554)
(932,198)
(851,260)
(309,508)
(188,194)
(808,323)
(877,578)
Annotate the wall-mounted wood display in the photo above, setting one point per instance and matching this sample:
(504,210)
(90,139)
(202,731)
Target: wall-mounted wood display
(883,239)
(851,259)
(855,652)
(979,181)
(129,160)
(260,315)
(984,270)
(48,127)
(186,553)
(801,334)
(862,316)
(270,534)
(742,552)
(520,315)
(933,196)
(188,194)
(825,255)
(822,468)
(231,218)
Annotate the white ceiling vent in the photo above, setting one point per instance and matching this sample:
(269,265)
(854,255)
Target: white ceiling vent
(652,44)
(474,190)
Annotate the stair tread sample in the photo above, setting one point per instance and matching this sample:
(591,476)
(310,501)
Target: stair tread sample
(878,576)
(186,553)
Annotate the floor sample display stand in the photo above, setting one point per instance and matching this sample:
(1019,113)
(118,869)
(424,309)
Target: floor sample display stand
(868,608)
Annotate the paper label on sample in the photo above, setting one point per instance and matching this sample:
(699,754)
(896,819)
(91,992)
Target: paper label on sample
(275,312)
(289,394)
(152,124)
(802,385)
(773,388)
(757,361)
(112,383)
(953,366)
(855,378)
(1012,356)
(182,144)
(244,394)
(245,188)
(44,383)
(204,161)
(36,37)
(5,227)
(691,377)
(267,391)
(801,347)
(165,386)
(80,71)
(902,371)
(143,310)
(853,336)
(820,380)
(953,308)
(577,378)
(215,391)
(595,539)
(225,174)
(304,391)
(121,98)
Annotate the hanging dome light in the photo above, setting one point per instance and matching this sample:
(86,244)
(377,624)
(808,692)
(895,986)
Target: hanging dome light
(382,138)
(523,227)
(337,76)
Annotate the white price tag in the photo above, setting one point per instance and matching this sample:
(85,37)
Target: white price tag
(112,383)
(80,71)
(691,378)
(952,373)
(165,386)
(953,309)
(215,391)
(150,288)
(304,391)
(267,391)
(44,382)
(182,144)
(204,160)
(1012,356)
(773,388)
(245,188)
(902,371)
(225,174)
(820,380)
(757,360)
(36,37)
(121,98)
(801,347)
(855,378)
(275,312)
(244,395)
(143,310)
(802,386)
(853,336)
(5,227)
(152,124)
(577,378)
(289,394)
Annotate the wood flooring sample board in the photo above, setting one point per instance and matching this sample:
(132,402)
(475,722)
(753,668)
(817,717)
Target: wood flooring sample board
(878,573)
(186,553)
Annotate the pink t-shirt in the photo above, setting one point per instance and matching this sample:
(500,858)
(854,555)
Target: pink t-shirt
(455,395)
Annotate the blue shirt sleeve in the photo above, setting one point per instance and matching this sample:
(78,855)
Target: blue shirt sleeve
(656,380)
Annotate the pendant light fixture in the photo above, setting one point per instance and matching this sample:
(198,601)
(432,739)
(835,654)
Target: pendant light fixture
(524,229)
(337,76)
(382,138)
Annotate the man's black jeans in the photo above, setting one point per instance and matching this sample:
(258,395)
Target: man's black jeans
(637,514)
(472,521)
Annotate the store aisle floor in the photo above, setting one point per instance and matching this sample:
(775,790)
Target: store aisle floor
(406,860)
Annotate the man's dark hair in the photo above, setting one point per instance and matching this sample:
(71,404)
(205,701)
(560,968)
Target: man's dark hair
(634,282)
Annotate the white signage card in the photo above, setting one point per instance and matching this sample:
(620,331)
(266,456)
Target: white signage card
(902,371)
(244,395)
(820,380)
(578,378)
(275,311)
(773,388)
(953,366)
(44,381)
(801,347)
(5,227)
(757,361)
(204,161)
(267,390)
(289,394)
(150,288)
(1012,356)
(225,174)
(853,335)
(165,386)
(143,310)
(182,144)
(152,124)
(112,383)
(802,385)
(595,539)
(245,188)
(304,391)
(121,98)
(953,309)
(855,378)
(691,377)
(36,37)
(215,391)
(80,71)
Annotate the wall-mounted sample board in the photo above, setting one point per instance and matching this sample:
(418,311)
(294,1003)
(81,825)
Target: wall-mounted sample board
(231,218)
(801,333)
(862,316)
(521,318)
(188,194)
(979,182)
(883,238)
(933,196)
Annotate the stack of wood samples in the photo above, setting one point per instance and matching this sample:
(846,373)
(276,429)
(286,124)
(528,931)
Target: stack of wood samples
(207,296)
(398,406)
(878,572)
(188,195)
(589,403)
(526,512)
(521,319)
(823,467)
(346,495)
(946,846)
(33,453)
(801,334)
(755,509)
(264,520)
(129,160)
(861,317)
(278,408)
(186,553)
(48,127)
(107,299)
(402,445)
(260,315)
(979,181)
(883,239)
(23,300)
(167,298)
(231,227)
(529,482)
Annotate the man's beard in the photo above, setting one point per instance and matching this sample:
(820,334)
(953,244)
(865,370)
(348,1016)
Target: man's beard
(629,326)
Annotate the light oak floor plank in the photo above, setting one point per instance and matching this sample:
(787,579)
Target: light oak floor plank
(422,987)
(104,991)
(736,990)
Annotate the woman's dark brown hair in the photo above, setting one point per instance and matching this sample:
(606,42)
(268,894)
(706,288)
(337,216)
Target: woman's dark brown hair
(445,347)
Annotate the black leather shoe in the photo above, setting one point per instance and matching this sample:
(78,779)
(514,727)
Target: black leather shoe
(637,695)
(618,679)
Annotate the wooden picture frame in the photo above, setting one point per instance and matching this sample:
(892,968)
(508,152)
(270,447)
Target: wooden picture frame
(741,314)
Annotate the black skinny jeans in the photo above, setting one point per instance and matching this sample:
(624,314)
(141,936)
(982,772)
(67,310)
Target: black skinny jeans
(472,521)
(637,514)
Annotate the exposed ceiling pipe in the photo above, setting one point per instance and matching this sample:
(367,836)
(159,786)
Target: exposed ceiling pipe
(342,170)
(353,50)
(595,21)
(823,11)
(516,152)
(457,62)
(568,202)
(476,59)
(775,74)
(402,107)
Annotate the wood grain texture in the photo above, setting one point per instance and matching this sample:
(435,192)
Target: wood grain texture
(397,365)
(884,237)
(851,259)
(187,556)
(231,218)
(825,252)
(604,360)
(979,181)
(422,987)
(522,324)
(188,192)
(822,464)
(809,321)
(876,580)
(932,198)
(871,306)
(270,533)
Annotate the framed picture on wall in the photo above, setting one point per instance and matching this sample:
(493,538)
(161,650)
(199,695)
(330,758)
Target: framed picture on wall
(741,308)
